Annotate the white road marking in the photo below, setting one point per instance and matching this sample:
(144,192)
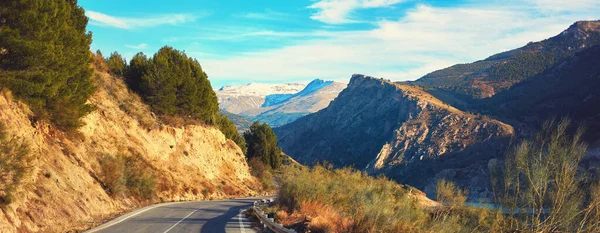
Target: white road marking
(242,228)
(180,221)
(123,219)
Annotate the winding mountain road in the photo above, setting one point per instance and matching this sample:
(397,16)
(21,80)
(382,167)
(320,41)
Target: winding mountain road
(222,216)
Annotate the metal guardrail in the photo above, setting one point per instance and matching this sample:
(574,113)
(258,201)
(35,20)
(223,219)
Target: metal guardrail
(269,222)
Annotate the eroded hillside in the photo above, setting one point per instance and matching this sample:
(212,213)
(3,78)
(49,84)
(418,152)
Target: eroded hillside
(68,187)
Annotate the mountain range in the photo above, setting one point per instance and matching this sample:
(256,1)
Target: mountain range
(457,122)
(277,104)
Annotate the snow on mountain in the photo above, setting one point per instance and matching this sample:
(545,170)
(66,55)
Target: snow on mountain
(274,99)
(277,104)
(313,86)
(242,98)
(260,89)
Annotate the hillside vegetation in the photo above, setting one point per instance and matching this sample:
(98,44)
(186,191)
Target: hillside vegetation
(499,72)
(115,164)
(345,200)
(77,146)
(539,189)
(45,57)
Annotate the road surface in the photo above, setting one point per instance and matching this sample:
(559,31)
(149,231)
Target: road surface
(222,216)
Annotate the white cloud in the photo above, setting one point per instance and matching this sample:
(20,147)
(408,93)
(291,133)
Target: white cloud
(425,39)
(339,11)
(140,46)
(101,19)
(557,6)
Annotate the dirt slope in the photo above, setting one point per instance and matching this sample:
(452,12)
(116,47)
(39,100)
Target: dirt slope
(65,189)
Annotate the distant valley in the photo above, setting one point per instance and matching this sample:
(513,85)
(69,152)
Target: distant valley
(276,104)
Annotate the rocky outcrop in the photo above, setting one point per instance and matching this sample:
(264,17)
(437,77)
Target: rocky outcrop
(66,191)
(389,128)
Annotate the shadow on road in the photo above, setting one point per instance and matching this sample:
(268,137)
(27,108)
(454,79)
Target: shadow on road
(217,225)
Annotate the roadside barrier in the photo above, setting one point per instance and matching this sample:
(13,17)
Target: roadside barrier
(266,221)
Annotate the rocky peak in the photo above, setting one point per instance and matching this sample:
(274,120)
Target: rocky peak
(582,29)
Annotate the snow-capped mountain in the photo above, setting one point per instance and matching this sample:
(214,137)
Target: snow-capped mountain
(241,98)
(278,104)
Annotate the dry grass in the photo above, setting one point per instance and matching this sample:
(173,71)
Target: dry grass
(346,200)
(261,171)
(15,166)
(117,90)
(128,174)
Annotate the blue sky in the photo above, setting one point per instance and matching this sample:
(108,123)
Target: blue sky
(241,41)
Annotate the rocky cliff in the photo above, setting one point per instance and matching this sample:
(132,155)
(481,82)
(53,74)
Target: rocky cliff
(67,190)
(386,128)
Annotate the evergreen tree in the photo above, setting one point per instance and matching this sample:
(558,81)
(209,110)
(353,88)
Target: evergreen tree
(175,84)
(138,65)
(262,143)
(45,57)
(116,64)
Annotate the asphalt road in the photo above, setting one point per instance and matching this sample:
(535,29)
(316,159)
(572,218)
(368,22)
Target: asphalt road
(222,216)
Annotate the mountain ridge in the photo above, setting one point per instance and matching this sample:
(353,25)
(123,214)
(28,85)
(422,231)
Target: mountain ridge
(421,131)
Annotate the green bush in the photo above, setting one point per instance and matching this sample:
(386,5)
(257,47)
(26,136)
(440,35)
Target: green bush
(15,166)
(45,57)
(262,143)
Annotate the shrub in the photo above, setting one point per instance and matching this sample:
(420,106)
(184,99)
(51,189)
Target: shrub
(15,166)
(113,174)
(259,170)
(128,173)
(140,179)
(45,59)
(448,193)
(541,176)
(351,199)
(346,200)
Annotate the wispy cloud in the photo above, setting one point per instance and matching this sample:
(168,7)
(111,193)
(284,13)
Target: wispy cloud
(558,6)
(425,39)
(101,19)
(339,11)
(266,15)
(140,46)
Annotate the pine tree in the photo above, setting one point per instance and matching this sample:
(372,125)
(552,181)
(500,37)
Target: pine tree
(175,84)
(138,65)
(45,57)
(262,143)
(116,64)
